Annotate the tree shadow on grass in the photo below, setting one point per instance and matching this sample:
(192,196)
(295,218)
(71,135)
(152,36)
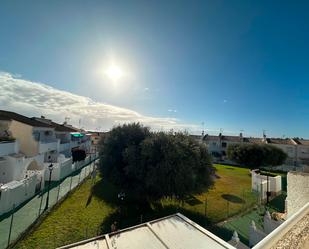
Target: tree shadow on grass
(129,216)
(232,198)
(192,201)
(106,191)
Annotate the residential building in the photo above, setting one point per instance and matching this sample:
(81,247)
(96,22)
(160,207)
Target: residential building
(302,150)
(217,145)
(296,149)
(95,137)
(288,146)
(36,139)
(20,177)
(27,147)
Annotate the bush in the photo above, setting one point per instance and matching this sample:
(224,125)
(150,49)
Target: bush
(255,155)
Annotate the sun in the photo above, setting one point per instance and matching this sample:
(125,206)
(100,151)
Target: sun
(114,72)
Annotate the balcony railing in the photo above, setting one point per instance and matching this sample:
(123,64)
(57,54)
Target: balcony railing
(7,148)
(64,146)
(48,145)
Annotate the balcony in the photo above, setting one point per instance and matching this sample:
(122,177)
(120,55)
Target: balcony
(64,146)
(8,147)
(74,144)
(48,145)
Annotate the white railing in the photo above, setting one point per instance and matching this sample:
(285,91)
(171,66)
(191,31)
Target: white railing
(64,146)
(7,148)
(48,146)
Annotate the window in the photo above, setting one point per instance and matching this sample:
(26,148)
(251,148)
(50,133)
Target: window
(224,145)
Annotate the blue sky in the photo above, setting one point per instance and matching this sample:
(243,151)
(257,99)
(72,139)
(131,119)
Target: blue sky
(235,65)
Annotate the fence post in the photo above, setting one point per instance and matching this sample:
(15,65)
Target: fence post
(206,207)
(58,192)
(79,176)
(11,224)
(40,204)
(71,183)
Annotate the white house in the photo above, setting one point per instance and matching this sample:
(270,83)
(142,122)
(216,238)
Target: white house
(20,177)
(217,145)
(27,147)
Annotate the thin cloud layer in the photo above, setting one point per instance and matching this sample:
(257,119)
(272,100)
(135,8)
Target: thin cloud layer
(36,99)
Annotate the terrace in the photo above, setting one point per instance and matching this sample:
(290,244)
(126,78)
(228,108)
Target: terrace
(7,146)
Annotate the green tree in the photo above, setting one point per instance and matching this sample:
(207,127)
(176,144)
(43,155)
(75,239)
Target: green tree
(153,165)
(256,155)
(114,150)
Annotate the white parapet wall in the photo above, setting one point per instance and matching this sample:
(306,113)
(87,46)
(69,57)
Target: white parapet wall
(8,148)
(297,191)
(276,235)
(61,169)
(15,193)
(259,183)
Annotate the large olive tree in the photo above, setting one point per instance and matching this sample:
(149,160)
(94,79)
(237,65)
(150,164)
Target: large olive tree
(152,165)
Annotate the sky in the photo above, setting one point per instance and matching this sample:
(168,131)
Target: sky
(222,65)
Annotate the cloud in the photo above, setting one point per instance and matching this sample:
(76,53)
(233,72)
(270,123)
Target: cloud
(224,101)
(171,110)
(36,99)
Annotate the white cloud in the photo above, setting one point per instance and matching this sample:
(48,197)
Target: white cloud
(224,101)
(35,99)
(172,110)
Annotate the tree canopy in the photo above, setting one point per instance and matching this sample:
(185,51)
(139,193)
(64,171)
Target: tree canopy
(155,164)
(256,155)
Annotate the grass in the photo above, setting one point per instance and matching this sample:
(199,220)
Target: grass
(90,211)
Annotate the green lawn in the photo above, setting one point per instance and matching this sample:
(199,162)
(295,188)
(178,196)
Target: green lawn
(83,215)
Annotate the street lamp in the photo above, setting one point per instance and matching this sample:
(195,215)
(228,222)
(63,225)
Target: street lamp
(50,167)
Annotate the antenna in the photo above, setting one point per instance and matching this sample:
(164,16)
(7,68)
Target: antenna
(264,133)
(203,132)
(66,119)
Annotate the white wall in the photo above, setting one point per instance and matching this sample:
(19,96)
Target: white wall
(16,192)
(259,183)
(297,191)
(7,148)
